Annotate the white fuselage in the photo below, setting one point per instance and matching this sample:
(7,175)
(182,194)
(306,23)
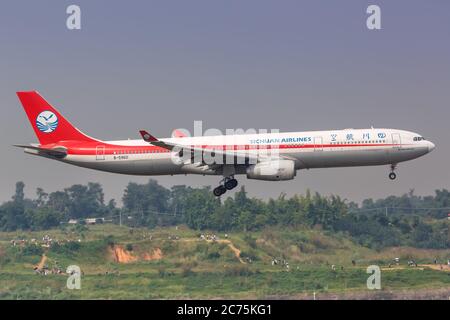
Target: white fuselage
(310,149)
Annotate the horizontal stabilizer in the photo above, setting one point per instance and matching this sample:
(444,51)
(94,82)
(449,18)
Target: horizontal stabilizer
(57,152)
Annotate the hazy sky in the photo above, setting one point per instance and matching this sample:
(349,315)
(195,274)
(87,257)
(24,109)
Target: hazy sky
(291,65)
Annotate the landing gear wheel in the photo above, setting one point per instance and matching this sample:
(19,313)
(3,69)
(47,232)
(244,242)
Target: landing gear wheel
(220,190)
(231,184)
(392,176)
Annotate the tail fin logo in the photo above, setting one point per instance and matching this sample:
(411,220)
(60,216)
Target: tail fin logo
(47,121)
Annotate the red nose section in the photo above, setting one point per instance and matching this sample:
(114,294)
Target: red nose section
(48,124)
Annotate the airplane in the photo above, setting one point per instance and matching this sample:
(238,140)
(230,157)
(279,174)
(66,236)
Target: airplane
(263,156)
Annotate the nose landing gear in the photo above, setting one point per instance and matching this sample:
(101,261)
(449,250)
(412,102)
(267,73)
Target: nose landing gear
(392,175)
(228,183)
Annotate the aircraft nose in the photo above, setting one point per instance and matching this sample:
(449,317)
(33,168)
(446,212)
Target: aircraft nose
(431,146)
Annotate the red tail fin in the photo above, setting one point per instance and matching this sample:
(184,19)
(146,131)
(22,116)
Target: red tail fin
(48,124)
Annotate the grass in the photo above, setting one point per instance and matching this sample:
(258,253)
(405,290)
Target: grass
(191,268)
(210,284)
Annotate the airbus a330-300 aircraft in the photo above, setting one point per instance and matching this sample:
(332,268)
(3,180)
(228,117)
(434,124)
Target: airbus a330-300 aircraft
(269,156)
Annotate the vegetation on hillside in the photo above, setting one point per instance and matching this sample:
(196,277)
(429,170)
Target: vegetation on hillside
(407,220)
(186,266)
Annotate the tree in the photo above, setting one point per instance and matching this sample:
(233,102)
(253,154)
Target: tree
(178,196)
(42,197)
(85,201)
(19,195)
(146,201)
(12,213)
(199,208)
(59,201)
(45,218)
(442,199)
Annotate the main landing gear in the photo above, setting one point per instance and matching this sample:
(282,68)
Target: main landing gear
(392,175)
(228,183)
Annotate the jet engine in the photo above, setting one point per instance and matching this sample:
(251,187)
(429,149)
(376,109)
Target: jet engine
(275,170)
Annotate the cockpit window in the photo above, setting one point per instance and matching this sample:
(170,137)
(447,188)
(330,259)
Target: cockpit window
(418,138)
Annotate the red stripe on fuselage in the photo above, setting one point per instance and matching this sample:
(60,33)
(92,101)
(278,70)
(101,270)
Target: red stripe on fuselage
(83,148)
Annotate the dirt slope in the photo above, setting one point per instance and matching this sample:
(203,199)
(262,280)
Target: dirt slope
(41,263)
(121,255)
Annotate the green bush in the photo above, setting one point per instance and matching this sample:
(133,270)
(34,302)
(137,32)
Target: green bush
(186,271)
(249,254)
(109,240)
(66,248)
(250,241)
(213,256)
(238,271)
(163,273)
(32,250)
(169,247)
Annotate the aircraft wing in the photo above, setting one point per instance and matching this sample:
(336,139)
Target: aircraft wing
(241,156)
(58,152)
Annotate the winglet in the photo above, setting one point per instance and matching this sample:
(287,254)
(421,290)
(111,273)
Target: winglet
(147,136)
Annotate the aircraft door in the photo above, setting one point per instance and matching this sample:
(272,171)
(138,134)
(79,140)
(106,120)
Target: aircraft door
(100,153)
(396,140)
(318,144)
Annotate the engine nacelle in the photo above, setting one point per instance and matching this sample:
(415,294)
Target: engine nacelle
(275,170)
